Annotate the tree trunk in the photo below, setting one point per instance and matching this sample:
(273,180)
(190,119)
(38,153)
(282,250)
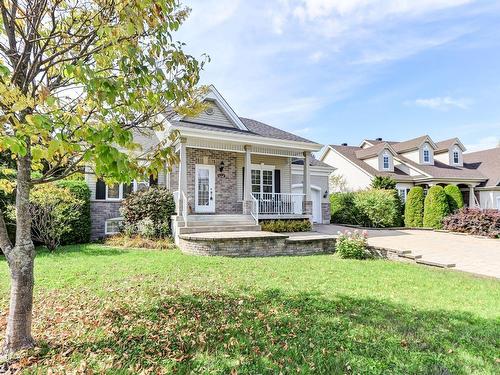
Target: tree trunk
(21,262)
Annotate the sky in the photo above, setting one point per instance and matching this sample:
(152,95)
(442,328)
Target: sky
(337,71)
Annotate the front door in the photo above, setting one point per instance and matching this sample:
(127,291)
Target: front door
(205,188)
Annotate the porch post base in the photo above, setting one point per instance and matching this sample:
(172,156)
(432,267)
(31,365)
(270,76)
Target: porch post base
(307,207)
(247,207)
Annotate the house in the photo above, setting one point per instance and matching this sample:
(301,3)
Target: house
(419,161)
(232,172)
(487,162)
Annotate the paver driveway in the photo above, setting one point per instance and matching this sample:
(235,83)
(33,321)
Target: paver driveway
(468,253)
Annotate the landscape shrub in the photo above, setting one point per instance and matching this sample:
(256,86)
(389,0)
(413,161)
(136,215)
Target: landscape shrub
(52,209)
(454,196)
(379,208)
(139,242)
(343,210)
(352,245)
(383,182)
(81,224)
(435,207)
(474,221)
(283,226)
(414,207)
(155,204)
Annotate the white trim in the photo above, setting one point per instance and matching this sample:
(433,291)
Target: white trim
(498,203)
(357,166)
(117,219)
(262,167)
(315,170)
(385,155)
(120,193)
(247,139)
(226,108)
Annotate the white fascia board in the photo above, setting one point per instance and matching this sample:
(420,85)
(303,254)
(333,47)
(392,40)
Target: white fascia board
(315,170)
(323,152)
(248,139)
(457,180)
(365,141)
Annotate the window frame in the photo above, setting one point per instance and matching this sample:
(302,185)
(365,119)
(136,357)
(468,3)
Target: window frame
(106,231)
(120,190)
(385,156)
(455,152)
(261,168)
(428,151)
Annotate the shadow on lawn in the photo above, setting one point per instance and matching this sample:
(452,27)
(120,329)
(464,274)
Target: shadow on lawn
(272,332)
(92,250)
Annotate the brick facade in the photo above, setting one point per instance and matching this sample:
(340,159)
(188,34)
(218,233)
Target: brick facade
(100,211)
(226,195)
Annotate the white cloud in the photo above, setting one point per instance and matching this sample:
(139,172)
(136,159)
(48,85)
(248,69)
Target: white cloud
(442,103)
(483,144)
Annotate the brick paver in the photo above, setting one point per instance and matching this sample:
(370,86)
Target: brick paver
(468,253)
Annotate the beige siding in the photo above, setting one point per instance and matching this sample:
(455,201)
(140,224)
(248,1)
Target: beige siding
(281,163)
(216,118)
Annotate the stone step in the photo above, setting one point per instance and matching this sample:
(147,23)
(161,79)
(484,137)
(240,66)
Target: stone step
(410,256)
(435,264)
(221,228)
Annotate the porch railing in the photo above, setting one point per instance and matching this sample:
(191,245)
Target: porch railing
(185,209)
(278,203)
(255,209)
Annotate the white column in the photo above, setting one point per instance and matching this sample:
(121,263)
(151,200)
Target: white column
(247,184)
(307,177)
(182,174)
(472,197)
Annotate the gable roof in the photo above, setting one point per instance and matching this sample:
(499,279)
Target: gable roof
(447,144)
(412,144)
(366,153)
(349,152)
(486,162)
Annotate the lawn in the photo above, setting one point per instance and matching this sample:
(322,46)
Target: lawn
(104,310)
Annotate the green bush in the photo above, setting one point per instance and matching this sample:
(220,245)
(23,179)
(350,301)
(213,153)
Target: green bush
(379,208)
(352,245)
(343,210)
(435,207)
(155,204)
(383,182)
(414,207)
(282,226)
(454,196)
(53,209)
(81,224)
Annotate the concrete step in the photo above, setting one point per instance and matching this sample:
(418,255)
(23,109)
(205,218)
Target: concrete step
(435,264)
(410,256)
(219,228)
(217,220)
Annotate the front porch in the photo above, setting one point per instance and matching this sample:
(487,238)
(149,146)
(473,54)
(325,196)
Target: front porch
(251,181)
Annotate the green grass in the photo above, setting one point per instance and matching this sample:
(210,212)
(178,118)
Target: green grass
(126,311)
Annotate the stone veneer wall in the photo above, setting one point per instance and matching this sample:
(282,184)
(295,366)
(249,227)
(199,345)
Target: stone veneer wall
(226,195)
(256,247)
(100,211)
(326,213)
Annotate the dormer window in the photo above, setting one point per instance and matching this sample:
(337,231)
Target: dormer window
(427,155)
(386,162)
(456,156)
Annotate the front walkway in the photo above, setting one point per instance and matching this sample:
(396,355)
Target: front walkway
(468,253)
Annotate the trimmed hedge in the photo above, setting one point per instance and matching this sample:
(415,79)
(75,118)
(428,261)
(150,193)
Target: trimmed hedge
(414,207)
(282,226)
(474,221)
(435,207)
(80,225)
(371,208)
(455,198)
(383,182)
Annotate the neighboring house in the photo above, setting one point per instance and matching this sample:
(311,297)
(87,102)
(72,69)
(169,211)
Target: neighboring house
(487,162)
(418,161)
(229,165)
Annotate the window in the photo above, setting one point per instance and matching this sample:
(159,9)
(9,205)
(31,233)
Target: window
(456,157)
(403,193)
(386,161)
(122,191)
(263,180)
(427,155)
(112,226)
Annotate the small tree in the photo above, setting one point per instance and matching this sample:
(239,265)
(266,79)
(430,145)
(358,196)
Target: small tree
(454,196)
(338,183)
(383,182)
(414,207)
(435,207)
